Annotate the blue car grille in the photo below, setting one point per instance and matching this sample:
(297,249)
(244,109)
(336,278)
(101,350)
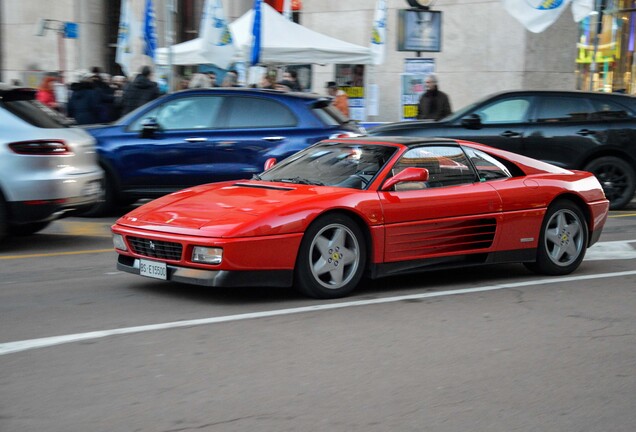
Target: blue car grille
(156,248)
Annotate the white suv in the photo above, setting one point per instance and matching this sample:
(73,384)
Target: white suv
(47,169)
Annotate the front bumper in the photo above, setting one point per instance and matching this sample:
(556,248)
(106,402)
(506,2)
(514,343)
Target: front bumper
(216,278)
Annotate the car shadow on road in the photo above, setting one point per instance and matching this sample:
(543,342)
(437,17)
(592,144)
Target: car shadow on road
(368,289)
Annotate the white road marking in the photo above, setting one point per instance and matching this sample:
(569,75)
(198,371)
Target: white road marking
(614,250)
(25,345)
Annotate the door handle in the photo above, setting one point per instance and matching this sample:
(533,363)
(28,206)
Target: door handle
(192,140)
(510,134)
(273,138)
(225,144)
(586,132)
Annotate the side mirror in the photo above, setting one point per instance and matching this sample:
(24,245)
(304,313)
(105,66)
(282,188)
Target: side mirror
(472,121)
(149,127)
(410,174)
(270,163)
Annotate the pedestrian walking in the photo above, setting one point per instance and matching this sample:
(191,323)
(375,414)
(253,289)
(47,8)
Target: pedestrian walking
(140,91)
(84,103)
(433,104)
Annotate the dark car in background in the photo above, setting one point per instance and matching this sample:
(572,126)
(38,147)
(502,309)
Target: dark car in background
(199,136)
(594,132)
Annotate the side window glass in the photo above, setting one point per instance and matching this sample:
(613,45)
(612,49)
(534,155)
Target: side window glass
(446,165)
(487,166)
(249,112)
(505,111)
(607,110)
(563,110)
(184,113)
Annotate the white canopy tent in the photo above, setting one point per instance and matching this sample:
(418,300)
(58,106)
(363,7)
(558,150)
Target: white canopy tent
(282,42)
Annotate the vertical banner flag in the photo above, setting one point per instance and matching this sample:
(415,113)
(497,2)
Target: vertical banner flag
(124,52)
(378,33)
(287,10)
(215,32)
(150,30)
(255,57)
(538,15)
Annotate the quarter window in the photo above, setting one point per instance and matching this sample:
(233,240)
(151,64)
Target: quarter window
(487,166)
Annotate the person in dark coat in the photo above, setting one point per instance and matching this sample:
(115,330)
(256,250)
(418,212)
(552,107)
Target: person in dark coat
(84,104)
(433,104)
(141,90)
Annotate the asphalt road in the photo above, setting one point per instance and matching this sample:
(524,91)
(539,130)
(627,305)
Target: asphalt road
(84,347)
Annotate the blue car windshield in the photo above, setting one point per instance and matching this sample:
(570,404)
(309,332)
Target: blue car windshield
(332,164)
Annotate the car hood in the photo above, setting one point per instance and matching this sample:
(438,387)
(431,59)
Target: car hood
(234,209)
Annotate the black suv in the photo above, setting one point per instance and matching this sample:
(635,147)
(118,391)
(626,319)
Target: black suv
(594,132)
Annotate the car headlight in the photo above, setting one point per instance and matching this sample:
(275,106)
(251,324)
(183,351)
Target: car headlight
(207,255)
(119,243)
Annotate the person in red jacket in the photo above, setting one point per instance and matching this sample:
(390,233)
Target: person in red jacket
(46,93)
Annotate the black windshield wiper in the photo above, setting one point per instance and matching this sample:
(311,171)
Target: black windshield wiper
(299,180)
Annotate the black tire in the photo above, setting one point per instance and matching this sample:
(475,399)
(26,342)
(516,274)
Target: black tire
(617,178)
(332,258)
(28,229)
(563,240)
(106,202)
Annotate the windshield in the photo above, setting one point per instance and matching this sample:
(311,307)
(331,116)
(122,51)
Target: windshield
(332,164)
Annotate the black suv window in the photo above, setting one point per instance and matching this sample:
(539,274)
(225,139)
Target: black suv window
(246,112)
(513,110)
(563,109)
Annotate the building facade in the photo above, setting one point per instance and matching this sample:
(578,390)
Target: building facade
(483,49)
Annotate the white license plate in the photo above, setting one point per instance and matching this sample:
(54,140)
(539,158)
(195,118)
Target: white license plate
(153,269)
(92,188)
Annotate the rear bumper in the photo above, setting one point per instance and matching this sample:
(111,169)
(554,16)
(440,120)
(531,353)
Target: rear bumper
(25,212)
(216,278)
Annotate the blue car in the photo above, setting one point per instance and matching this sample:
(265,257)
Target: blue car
(200,136)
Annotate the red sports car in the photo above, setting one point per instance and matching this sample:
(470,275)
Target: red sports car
(347,208)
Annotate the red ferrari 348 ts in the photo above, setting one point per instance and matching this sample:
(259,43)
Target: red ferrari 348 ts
(346,208)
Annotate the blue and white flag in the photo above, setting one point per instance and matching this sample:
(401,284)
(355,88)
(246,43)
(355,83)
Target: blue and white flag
(538,15)
(378,33)
(218,44)
(255,57)
(124,53)
(150,30)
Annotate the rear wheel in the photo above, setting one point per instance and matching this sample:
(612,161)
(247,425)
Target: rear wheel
(332,258)
(563,240)
(617,178)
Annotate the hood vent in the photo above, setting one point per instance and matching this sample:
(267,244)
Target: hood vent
(263,186)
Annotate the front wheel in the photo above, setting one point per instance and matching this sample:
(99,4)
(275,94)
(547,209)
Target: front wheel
(331,258)
(617,178)
(563,240)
